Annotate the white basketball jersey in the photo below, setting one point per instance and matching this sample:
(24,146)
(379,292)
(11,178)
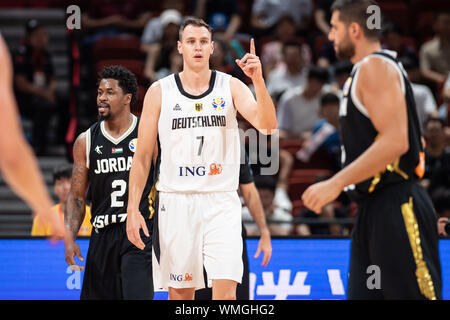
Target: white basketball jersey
(199,137)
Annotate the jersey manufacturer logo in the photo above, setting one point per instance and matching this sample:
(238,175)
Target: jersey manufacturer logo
(218,104)
(198,107)
(215,169)
(132,145)
(97,149)
(116,150)
(177,107)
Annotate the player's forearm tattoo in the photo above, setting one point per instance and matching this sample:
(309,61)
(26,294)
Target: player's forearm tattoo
(76,203)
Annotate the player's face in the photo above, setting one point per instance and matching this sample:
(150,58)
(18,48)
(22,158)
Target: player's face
(196,46)
(62,188)
(110,98)
(340,36)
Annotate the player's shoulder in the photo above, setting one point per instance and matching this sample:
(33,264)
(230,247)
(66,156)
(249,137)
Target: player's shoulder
(377,68)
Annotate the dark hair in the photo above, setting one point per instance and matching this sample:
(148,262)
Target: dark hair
(32,25)
(329,98)
(197,22)
(409,63)
(126,79)
(285,18)
(438,14)
(292,44)
(343,67)
(356,11)
(391,27)
(318,73)
(433,119)
(62,171)
(265,182)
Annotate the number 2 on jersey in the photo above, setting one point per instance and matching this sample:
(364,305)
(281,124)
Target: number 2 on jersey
(122,185)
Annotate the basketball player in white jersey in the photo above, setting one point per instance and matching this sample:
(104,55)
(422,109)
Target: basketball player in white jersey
(193,116)
(18,165)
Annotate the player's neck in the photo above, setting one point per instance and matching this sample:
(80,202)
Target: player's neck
(366,48)
(117,126)
(193,80)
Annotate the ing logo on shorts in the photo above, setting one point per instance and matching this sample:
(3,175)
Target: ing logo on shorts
(218,104)
(215,169)
(179,277)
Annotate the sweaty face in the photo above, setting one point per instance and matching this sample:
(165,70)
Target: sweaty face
(195,46)
(343,45)
(110,99)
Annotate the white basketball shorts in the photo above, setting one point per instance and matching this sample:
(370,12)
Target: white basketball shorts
(196,230)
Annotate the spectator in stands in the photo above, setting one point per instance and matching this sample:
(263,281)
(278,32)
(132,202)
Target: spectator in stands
(279,219)
(322,15)
(342,70)
(325,134)
(334,210)
(290,74)
(35,83)
(393,40)
(110,18)
(327,55)
(272,45)
(298,109)
(266,13)
(435,54)
(176,65)
(172,12)
(158,48)
(435,149)
(425,102)
(438,167)
(444,109)
(220,14)
(223,59)
(62,177)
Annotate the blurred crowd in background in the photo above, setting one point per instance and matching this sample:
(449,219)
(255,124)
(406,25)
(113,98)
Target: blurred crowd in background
(300,68)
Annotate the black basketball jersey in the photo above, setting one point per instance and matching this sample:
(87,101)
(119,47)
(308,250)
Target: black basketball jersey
(109,162)
(358,133)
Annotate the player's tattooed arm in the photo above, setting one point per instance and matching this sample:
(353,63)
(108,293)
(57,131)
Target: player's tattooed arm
(76,202)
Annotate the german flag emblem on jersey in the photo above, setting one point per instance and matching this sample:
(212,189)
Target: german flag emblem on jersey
(198,107)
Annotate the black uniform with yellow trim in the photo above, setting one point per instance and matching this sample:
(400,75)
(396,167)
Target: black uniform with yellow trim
(115,268)
(395,227)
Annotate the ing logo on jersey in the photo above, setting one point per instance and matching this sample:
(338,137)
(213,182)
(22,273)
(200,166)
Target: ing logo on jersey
(215,169)
(132,145)
(198,107)
(218,104)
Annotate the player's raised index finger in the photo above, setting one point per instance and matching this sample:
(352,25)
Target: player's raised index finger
(252,46)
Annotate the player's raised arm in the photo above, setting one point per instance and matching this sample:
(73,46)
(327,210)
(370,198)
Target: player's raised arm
(17,162)
(76,201)
(379,89)
(142,160)
(260,112)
